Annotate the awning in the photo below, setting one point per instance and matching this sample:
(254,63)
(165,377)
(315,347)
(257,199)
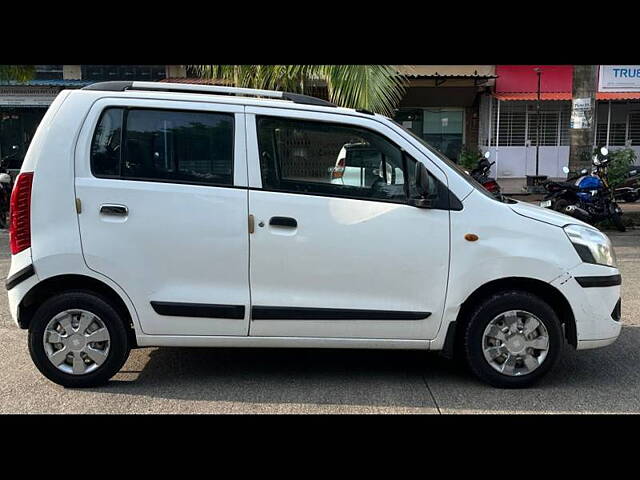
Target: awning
(533,96)
(450,71)
(566,96)
(48,83)
(520,82)
(618,96)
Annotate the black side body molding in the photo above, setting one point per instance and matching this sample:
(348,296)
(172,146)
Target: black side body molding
(203,310)
(604,281)
(301,313)
(20,276)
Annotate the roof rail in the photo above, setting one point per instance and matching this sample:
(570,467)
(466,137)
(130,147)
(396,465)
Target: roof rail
(121,86)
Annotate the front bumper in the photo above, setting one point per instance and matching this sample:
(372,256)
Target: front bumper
(593,291)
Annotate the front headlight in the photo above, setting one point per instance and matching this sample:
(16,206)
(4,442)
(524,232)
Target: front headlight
(592,245)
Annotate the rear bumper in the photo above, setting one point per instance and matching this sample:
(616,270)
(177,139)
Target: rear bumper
(593,291)
(22,278)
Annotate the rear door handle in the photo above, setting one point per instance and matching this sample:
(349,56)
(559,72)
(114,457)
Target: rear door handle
(117,210)
(283,222)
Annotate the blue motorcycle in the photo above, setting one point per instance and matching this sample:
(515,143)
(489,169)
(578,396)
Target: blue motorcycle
(588,196)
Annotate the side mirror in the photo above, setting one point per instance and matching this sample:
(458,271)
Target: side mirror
(422,186)
(565,169)
(422,180)
(604,151)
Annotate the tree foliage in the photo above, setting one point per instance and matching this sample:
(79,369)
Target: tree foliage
(18,73)
(378,88)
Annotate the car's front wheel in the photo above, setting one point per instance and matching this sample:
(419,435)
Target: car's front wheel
(512,339)
(77,339)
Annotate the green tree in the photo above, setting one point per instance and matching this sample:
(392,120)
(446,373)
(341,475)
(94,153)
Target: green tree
(619,162)
(19,73)
(378,88)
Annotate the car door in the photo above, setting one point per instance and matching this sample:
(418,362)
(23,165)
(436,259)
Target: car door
(341,259)
(161,212)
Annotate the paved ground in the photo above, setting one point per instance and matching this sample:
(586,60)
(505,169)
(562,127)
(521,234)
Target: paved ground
(175,380)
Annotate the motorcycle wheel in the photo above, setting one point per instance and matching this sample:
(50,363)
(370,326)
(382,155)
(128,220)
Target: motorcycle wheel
(560,205)
(617,221)
(631,197)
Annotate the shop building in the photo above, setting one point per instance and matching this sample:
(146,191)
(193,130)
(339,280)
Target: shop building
(23,104)
(618,107)
(512,117)
(441,104)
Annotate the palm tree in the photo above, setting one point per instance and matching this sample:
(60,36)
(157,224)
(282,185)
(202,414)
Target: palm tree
(378,88)
(19,73)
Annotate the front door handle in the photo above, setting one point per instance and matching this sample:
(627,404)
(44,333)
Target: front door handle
(117,210)
(283,222)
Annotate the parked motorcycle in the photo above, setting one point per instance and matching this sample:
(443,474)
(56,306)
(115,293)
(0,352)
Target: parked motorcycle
(481,174)
(5,198)
(629,190)
(587,197)
(6,185)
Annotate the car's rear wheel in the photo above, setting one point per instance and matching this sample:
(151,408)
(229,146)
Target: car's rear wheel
(512,339)
(76,339)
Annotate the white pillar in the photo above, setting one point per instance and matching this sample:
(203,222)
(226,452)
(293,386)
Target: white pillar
(608,124)
(71,72)
(497,137)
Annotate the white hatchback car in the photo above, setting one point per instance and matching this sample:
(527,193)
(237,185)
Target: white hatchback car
(158,214)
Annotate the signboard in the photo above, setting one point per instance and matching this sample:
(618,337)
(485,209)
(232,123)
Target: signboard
(619,78)
(26,101)
(11,96)
(581,113)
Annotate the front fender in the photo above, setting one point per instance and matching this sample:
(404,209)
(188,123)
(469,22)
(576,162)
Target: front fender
(509,245)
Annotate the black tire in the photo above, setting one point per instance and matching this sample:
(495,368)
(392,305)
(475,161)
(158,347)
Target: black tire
(119,340)
(487,311)
(560,205)
(616,219)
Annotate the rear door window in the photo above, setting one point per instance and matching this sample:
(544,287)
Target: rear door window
(164,145)
(105,147)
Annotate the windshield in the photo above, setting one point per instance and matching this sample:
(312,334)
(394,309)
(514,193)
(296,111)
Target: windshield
(457,168)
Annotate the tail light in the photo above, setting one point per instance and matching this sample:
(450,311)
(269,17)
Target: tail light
(492,186)
(338,170)
(20,213)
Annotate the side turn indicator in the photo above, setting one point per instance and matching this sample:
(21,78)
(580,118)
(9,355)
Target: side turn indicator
(471,237)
